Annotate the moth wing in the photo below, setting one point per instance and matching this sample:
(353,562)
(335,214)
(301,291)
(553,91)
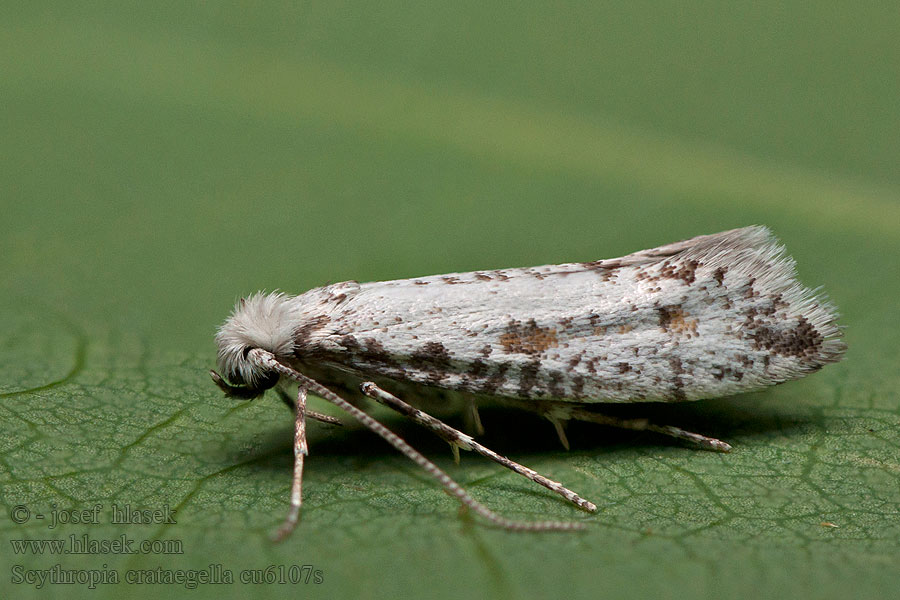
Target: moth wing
(710,316)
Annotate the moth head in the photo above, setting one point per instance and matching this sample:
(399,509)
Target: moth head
(261,321)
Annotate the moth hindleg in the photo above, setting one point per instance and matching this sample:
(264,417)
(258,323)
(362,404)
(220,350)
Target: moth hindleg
(560,412)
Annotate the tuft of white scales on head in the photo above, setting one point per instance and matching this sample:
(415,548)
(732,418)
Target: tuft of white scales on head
(264,321)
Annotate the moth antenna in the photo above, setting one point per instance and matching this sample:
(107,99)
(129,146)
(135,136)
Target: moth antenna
(266,360)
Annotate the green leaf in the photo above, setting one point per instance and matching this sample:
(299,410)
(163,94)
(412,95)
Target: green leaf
(160,163)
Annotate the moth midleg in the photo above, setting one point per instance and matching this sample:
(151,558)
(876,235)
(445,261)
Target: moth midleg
(458,439)
(267,361)
(560,426)
(581,414)
(286,398)
(473,418)
(300,451)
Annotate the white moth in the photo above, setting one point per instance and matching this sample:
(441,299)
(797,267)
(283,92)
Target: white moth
(711,316)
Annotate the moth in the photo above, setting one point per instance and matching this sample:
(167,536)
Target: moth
(707,317)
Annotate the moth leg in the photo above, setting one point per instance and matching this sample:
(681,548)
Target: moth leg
(300,451)
(559,425)
(454,437)
(267,361)
(286,398)
(705,442)
(458,440)
(473,419)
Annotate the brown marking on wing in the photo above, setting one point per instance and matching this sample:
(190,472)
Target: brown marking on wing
(528,338)
(674,319)
(432,358)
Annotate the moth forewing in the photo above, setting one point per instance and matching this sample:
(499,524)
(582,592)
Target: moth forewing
(711,316)
(682,322)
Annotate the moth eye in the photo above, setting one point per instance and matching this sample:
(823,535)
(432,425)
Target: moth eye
(246,351)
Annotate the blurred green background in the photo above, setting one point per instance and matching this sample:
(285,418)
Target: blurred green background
(161,159)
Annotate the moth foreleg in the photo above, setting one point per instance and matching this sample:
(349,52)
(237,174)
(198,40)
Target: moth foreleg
(300,451)
(457,440)
(708,443)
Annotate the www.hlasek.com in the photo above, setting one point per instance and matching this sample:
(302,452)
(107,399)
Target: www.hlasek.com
(85,544)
